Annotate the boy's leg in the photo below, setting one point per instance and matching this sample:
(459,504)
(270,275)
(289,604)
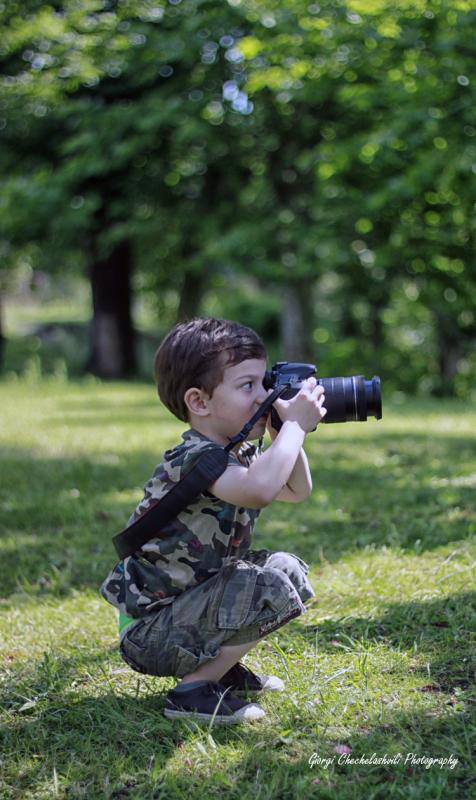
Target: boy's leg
(222,618)
(228,656)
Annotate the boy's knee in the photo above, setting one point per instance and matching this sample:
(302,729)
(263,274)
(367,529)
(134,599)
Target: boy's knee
(288,563)
(275,591)
(275,577)
(296,570)
(276,600)
(252,594)
(251,582)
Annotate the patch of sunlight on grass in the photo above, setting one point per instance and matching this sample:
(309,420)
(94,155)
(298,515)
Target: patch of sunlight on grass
(376,576)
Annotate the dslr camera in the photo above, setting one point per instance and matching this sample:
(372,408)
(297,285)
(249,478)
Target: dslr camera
(347,399)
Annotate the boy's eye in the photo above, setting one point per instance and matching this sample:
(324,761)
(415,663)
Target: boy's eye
(248,383)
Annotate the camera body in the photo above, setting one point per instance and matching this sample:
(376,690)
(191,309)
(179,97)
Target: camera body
(350,399)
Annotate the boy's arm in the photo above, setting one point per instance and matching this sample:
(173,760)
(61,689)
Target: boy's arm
(299,485)
(261,483)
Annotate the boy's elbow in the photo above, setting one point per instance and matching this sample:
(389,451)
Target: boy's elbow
(254,501)
(263,499)
(302,495)
(263,495)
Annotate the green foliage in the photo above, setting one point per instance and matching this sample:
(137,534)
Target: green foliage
(329,143)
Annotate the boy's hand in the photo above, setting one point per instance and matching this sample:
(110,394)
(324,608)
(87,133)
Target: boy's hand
(306,408)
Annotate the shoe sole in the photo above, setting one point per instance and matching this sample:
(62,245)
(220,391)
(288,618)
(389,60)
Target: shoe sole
(246,692)
(218,719)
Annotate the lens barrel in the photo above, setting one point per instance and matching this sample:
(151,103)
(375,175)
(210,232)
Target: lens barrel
(347,399)
(352,399)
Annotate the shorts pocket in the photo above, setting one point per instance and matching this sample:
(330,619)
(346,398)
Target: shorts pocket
(236,598)
(135,634)
(184,661)
(133,649)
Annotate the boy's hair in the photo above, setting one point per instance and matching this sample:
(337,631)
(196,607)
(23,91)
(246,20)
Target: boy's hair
(195,353)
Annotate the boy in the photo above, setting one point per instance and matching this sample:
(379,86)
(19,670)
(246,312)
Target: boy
(195,598)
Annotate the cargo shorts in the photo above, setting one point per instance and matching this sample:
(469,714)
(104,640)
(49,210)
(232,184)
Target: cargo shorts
(246,600)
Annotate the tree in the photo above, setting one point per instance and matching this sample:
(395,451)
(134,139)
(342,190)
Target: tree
(135,167)
(324,148)
(374,103)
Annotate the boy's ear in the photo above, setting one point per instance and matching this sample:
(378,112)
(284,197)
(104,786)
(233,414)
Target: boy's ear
(196,401)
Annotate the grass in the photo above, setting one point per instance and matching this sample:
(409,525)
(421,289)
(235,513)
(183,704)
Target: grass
(378,669)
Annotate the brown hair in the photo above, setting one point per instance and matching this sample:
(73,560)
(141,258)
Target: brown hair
(195,353)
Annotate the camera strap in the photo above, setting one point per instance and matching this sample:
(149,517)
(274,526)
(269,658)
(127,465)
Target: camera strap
(262,410)
(206,470)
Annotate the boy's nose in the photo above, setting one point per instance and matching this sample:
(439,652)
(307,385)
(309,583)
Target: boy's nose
(262,395)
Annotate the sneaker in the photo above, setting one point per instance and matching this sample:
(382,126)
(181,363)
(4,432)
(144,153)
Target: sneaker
(241,680)
(202,701)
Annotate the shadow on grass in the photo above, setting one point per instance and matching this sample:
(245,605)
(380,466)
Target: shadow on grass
(118,744)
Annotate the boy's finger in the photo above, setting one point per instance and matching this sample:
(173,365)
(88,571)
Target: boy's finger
(280,402)
(308,385)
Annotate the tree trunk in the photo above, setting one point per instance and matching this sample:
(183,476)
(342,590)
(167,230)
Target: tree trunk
(449,353)
(193,289)
(2,337)
(448,357)
(112,338)
(297,318)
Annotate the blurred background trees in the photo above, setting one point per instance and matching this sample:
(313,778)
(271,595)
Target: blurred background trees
(306,168)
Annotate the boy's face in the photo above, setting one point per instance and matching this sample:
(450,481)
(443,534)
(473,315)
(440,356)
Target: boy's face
(236,399)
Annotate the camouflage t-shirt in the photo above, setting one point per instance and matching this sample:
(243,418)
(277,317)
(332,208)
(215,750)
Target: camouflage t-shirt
(192,547)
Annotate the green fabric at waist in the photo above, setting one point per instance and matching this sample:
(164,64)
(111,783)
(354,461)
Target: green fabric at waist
(124,621)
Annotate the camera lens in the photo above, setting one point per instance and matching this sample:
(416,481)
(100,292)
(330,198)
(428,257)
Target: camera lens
(352,399)
(374,397)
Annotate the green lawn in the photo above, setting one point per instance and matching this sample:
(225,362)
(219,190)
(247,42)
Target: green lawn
(378,669)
